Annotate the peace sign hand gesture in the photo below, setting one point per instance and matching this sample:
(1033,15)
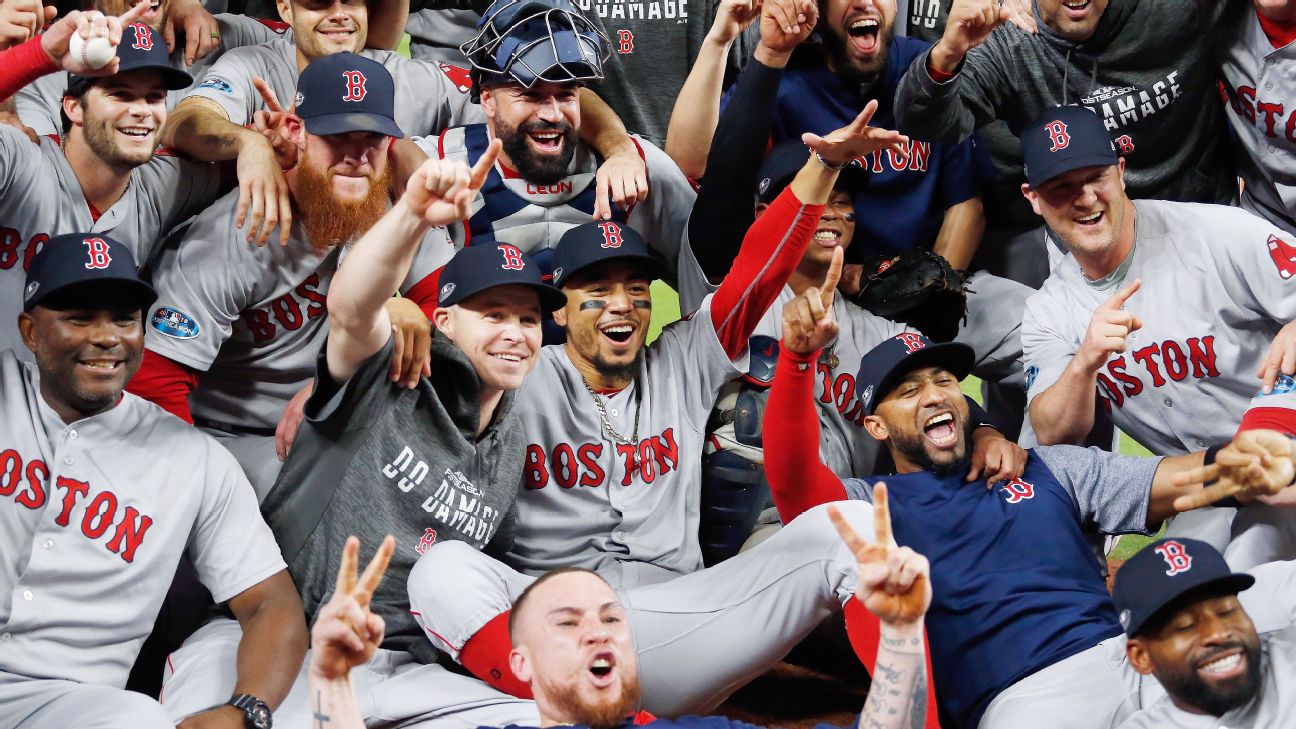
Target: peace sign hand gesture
(346,634)
(894,582)
(1258,463)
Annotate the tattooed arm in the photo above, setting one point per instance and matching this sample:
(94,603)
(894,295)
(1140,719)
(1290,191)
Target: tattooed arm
(345,635)
(894,585)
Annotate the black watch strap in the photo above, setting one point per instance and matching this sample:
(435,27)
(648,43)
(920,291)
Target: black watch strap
(256,713)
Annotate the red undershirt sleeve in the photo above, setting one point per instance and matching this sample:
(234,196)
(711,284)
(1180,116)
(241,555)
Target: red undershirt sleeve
(166,383)
(770,252)
(798,479)
(23,64)
(1282,420)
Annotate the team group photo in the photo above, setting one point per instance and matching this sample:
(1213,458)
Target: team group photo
(465,364)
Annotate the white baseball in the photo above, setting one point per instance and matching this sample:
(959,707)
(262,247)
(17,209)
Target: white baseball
(95,53)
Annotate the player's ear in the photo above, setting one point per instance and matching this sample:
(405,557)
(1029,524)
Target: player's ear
(72,109)
(488,102)
(520,665)
(441,320)
(875,427)
(1032,197)
(560,315)
(1138,655)
(285,10)
(1120,170)
(295,131)
(27,330)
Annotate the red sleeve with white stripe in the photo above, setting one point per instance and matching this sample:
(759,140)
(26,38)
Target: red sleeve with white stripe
(770,252)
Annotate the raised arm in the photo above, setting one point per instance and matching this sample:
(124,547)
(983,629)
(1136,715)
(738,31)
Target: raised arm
(798,479)
(439,193)
(48,52)
(775,243)
(623,177)
(894,585)
(1064,412)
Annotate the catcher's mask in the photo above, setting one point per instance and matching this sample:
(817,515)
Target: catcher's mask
(526,41)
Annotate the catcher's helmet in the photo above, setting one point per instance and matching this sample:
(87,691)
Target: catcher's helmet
(526,41)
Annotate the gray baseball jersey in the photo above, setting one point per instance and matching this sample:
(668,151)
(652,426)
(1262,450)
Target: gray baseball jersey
(1273,706)
(40,197)
(252,319)
(1258,80)
(1217,286)
(40,103)
(429,97)
(533,217)
(92,526)
(630,512)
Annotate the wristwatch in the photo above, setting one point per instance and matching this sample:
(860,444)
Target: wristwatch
(256,714)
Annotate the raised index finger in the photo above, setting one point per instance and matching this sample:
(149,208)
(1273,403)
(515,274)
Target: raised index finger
(830,282)
(136,11)
(267,94)
(483,166)
(347,570)
(881,516)
(373,574)
(1123,295)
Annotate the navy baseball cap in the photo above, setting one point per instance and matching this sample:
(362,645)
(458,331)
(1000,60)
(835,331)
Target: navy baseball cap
(1063,139)
(599,241)
(1164,571)
(344,92)
(887,363)
(785,160)
(477,268)
(77,259)
(141,48)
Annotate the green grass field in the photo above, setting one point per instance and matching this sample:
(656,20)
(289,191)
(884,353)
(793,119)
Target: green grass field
(666,310)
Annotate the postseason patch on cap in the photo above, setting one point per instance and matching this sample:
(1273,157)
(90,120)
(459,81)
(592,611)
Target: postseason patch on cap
(174,323)
(30,291)
(446,291)
(1125,619)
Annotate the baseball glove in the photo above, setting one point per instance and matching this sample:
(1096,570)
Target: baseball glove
(917,287)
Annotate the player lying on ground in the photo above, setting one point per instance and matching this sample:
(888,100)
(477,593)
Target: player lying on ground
(1022,629)
(116,492)
(572,643)
(1187,625)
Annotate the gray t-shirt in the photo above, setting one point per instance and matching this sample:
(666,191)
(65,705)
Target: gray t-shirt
(374,458)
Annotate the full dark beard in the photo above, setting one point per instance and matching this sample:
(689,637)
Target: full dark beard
(915,452)
(330,221)
(603,715)
(851,70)
(541,170)
(1218,699)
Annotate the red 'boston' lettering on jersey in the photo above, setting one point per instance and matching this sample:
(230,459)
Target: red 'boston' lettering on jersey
(840,393)
(568,465)
(290,311)
(104,515)
(12,248)
(1269,116)
(1155,365)
(915,158)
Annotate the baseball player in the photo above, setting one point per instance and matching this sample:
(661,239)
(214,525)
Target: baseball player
(440,462)
(430,97)
(104,176)
(529,64)
(1256,61)
(612,473)
(92,524)
(251,320)
(1022,629)
(1186,614)
(1171,315)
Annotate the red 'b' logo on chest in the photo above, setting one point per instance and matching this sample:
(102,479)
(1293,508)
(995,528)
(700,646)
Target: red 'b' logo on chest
(1018,491)
(143,37)
(96,253)
(625,42)
(1057,132)
(1175,556)
(355,86)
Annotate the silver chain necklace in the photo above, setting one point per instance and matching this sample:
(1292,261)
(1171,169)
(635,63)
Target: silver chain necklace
(633,440)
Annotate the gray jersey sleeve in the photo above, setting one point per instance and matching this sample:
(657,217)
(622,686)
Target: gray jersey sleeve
(1255,260)
(661,218)
(39,103)
(237,31)
(442,104)
(22,159)
(858,489)
(231,546)
(1111,490)
(229,83)
(691,282)
(694,340)
(180,189)
(201,279)
(1046,341)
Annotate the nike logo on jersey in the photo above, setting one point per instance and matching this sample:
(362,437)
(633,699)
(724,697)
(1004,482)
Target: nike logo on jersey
(1152,365)
(98,515)
(569,466)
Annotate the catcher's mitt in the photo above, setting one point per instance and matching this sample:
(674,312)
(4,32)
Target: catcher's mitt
(917,287)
